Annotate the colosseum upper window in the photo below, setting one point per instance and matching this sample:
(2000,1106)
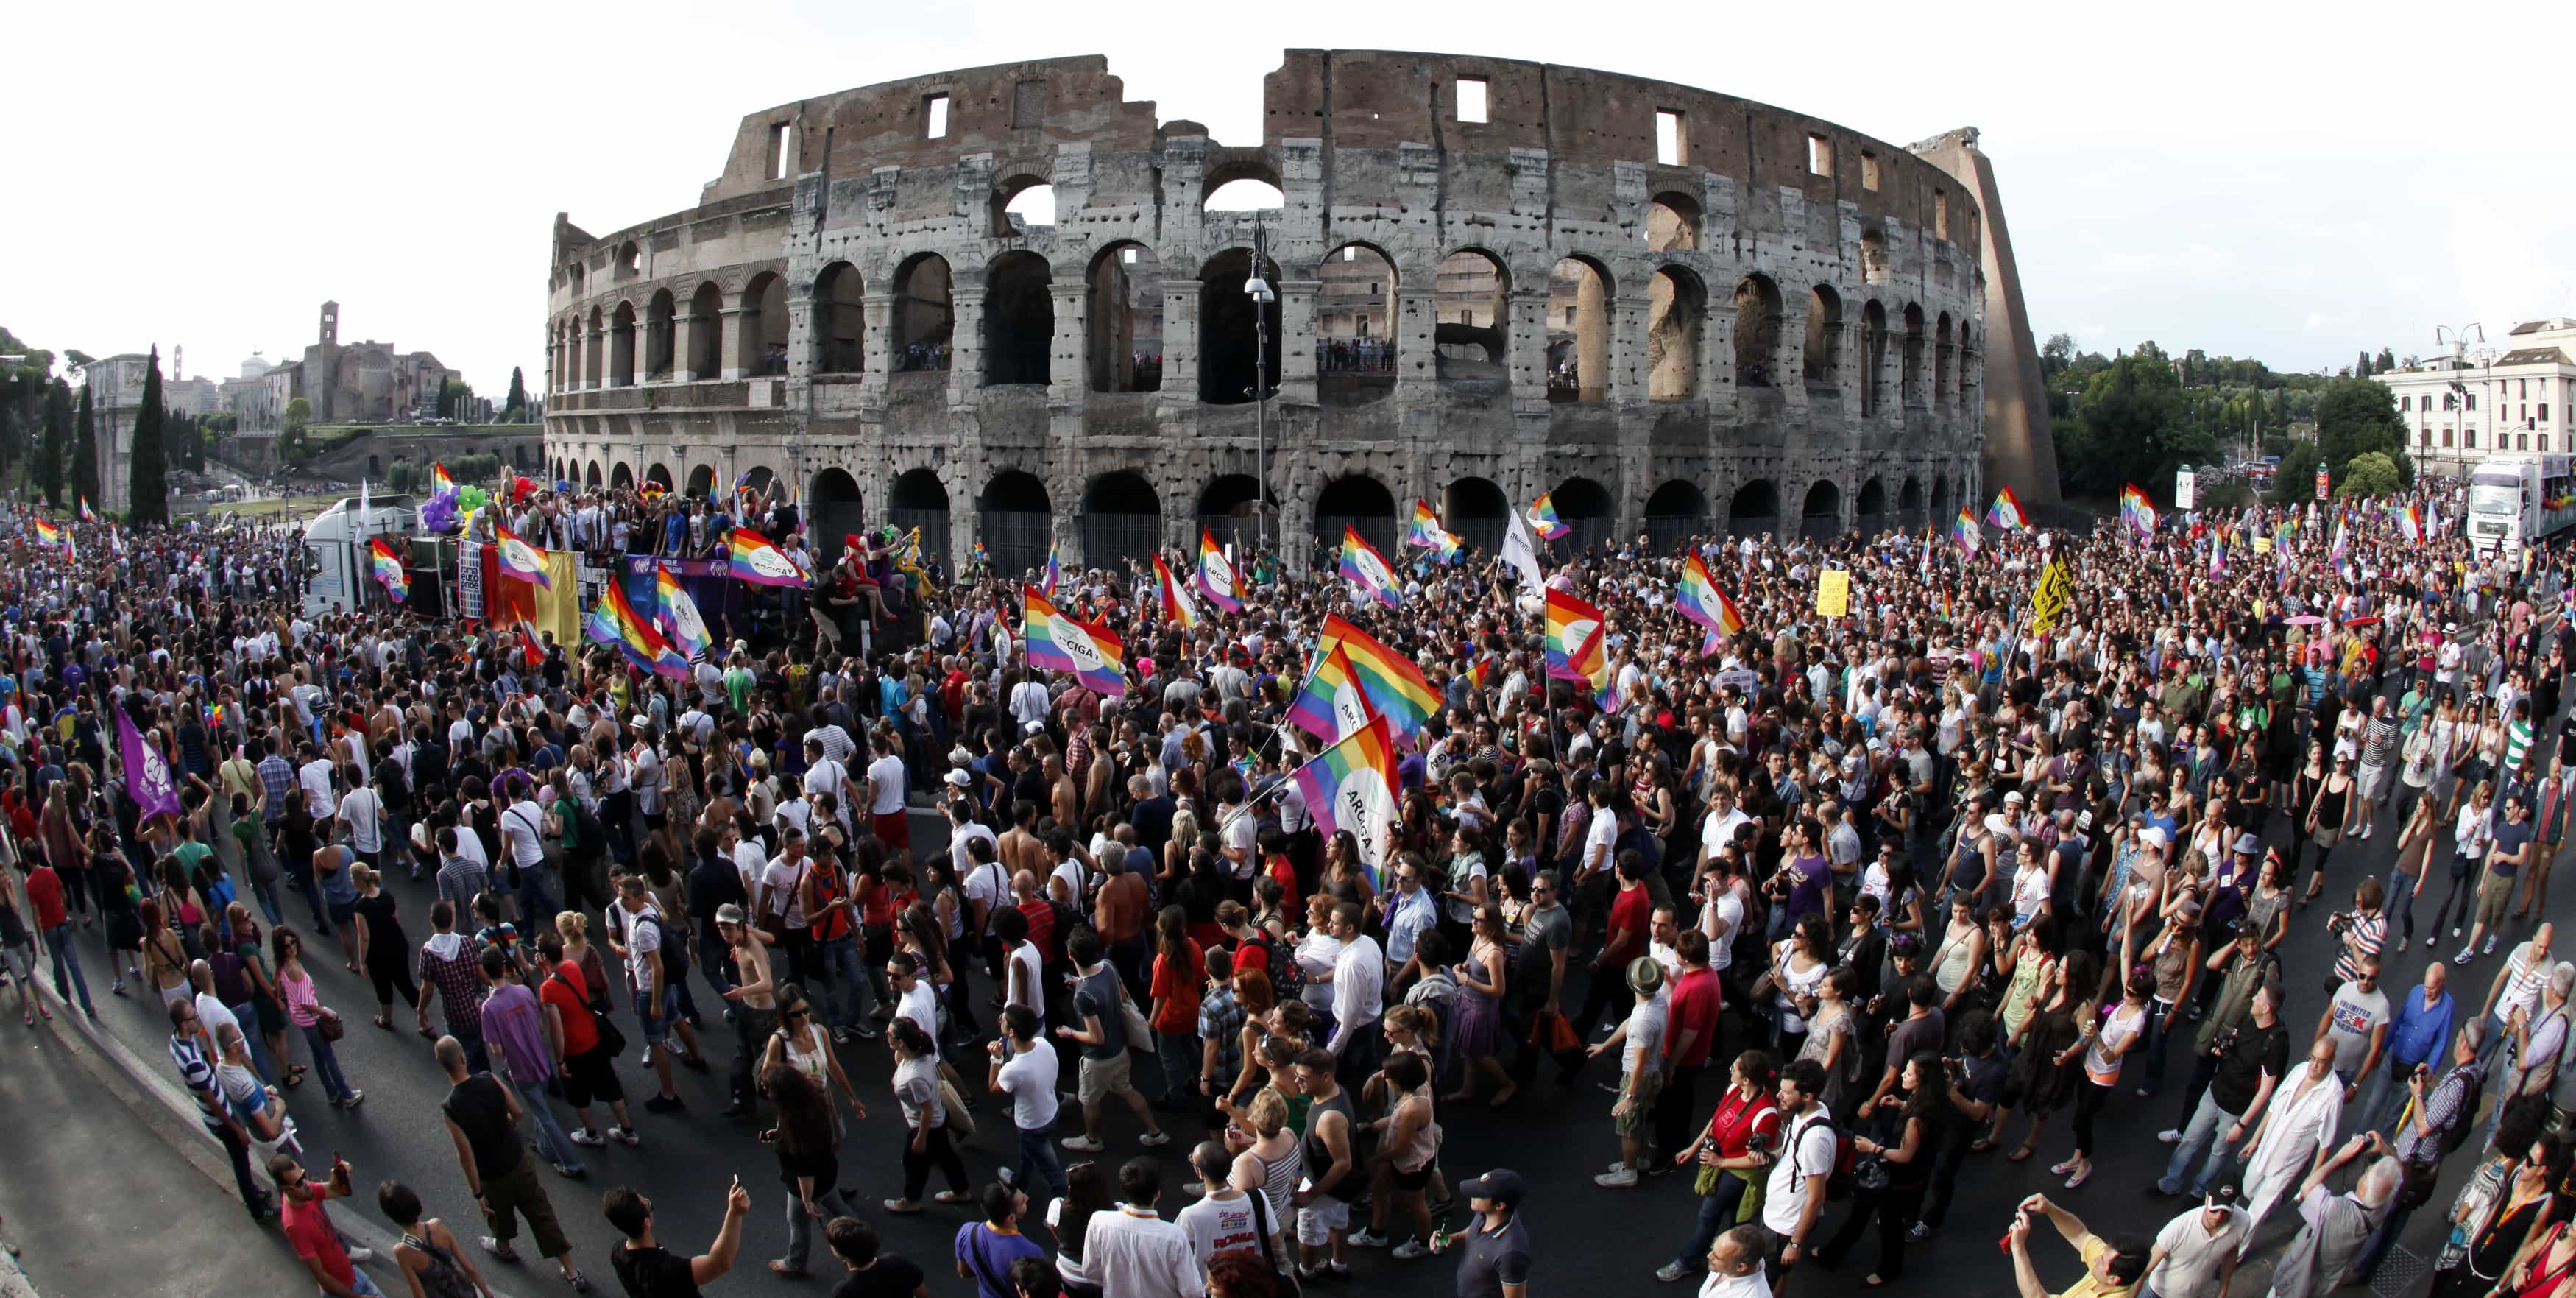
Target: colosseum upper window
(1471,99)
(1671,142)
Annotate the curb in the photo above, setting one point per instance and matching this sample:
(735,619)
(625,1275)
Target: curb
(157,1098)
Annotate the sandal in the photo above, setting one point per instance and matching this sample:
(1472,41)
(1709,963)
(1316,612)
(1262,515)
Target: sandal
(778,1266)
(1982,1145)
(1504,1097)
(2019,1155)
(385,1023)
(952,1196)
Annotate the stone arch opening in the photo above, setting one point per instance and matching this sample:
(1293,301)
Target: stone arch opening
(1471,338)
(706,348)
(917,498)
(1823,357)
(1873,385)
(840,321)
(1017,519)
(590,476)
(837,512)
(1910,390)
(1229,510)
(1869,508)
(1125,319)
(1676,304)
(1944,505)
(1672,223)
(621,346)
(925,316)
(659,475)
(1243,189)
(1909,504)
(1821,518)
(1358,502)
(1019,319)
(1020,204)
(1578,331)
(630,259)
(1228,319)
(1967,384)
(375,467)
(1875,267)
(761,329)
(1754,510)
(1355,351)
(594,351)
(622,478)
(661,336)
(1676,512)
(1475,510)
(1584,506)
(1941,356)
(1122,520)
(702,482)
(1757,331)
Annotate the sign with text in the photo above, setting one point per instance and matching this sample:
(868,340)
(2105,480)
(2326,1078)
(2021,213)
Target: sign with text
(2048,598)
(1833,592)
(2186,489)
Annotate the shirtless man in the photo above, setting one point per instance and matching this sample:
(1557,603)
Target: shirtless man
(755,1000)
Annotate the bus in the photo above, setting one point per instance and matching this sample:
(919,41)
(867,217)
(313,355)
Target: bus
(2519,500)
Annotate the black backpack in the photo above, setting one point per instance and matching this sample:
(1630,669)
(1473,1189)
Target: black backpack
(2464,1119)
(675,955)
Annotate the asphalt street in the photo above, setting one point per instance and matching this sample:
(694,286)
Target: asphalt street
(1585,1236)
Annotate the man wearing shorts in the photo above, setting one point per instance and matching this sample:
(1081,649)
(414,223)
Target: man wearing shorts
(1332,1171)
(1103,1038)
(885,795)
(657,996)
(588,1070)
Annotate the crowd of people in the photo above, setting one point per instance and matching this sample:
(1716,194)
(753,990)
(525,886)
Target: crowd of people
(1840,907)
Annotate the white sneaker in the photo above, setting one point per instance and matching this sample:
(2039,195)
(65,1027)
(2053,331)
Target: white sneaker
(1154,1139)
(361,1256)
(2170,1136)
(1619,1180)
(1411,1249)
(1671,1273)
(625,1136)
(588,1139)
(1366,1239)
(1082,1144)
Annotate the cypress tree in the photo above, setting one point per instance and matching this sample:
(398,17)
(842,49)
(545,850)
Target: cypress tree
(49,453)
(515,408)
(82,476)
(148,497)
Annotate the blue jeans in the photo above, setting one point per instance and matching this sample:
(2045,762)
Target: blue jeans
(259,1060)
(536,905)
(65,953)
(840,959)
(2387,1097)
(1717,1211)
(2401,902)
(2206,1132)
(1039,1164)
(266,893)
(553,1144)
(2152,1049)
(326,1065)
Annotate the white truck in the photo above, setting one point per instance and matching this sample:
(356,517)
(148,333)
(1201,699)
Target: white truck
(2519,500)
(337,539)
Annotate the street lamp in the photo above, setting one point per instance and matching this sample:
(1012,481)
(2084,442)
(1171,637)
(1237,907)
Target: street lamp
(2459,345)
(1263,296)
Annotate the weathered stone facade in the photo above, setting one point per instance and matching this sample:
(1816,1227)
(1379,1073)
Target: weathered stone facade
(1775,324)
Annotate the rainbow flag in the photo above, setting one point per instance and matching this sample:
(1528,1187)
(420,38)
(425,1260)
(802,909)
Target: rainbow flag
(1963,530)
(976,554)
(2410,520)
(388,569)
(1570,627)
(1479,670)
(1364,567)
(1395,685)
(2006,512)
(521,561)
(1216,577)
(1427,533)
(439,483)
(614,621)
(1543,520)
(85,515)
(1055,566)
(675,615)
(530,647)
(1332,702)
(2136,513)
(1699,599)
(1592,661)
(1353,786)
(756,561)
(47,533)
(1177,604)
(1059,641)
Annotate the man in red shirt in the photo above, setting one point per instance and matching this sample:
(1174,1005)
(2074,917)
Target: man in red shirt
(1632,910)
(45,897)
(1690,1037)
(588,1069)
(308,1228)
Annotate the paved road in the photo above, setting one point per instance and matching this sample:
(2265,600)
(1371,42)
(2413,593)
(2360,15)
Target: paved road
(1586,1235)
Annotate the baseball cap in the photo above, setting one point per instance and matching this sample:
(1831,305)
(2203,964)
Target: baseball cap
(1501,1185)
(2152,836)
(959,778)
(728,913)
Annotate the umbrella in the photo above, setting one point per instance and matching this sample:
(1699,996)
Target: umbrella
(2361,621)
(2306,619)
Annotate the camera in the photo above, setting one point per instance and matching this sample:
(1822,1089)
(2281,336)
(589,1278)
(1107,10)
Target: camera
(1759,1143)
(2339,923)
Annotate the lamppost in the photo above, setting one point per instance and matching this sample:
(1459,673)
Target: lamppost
(1263,296)
(2458,342)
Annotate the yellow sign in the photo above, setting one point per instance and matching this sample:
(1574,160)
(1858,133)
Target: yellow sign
(1833,592)
(2262,545)
(2048,598)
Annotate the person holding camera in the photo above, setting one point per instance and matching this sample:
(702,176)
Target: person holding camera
(1739,1138)
(2245,1061)
(1793,1197)
(1889,1184)
(1974,1088)
(2112,1267)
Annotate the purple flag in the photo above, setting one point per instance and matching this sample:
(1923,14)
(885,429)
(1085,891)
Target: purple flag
(147,775)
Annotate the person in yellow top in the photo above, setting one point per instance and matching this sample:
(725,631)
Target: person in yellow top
(2112,1267)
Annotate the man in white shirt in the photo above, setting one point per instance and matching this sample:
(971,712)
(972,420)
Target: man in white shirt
(1794,1196)
(1222,1220)
(320,796)
(522,830)
(885,790)
(1025,1069)
(1735,1265)
(363,812)
(2195,1254)
(1359,997)
(1133,1252)
(824,774)
(1724,817)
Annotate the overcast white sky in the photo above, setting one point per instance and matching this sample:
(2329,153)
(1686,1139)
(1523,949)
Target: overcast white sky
(2294,182)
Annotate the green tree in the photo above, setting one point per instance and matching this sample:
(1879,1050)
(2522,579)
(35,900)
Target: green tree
(2356,417)
(2137,428)
(84,467)
(2370,475)
(148,492)
(50,452)
(290,437)
(2387,361)
(2361,367)
(514,410)
(2297,479)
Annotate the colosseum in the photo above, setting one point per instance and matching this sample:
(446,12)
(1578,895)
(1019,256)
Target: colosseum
(1477,280)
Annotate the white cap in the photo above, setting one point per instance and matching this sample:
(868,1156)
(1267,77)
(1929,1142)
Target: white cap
(2153,836)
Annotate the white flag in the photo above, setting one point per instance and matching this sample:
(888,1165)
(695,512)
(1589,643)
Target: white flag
(1520,550)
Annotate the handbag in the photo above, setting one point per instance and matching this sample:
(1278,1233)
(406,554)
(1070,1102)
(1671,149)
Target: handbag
(331,1025)
(1140,1034)
(1550,1032)
(953,1114)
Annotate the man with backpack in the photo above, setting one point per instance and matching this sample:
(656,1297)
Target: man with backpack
(654,967)
(2436,1121)
(1793,1198)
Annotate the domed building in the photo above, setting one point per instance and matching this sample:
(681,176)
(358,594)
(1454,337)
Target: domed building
(1006,303)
